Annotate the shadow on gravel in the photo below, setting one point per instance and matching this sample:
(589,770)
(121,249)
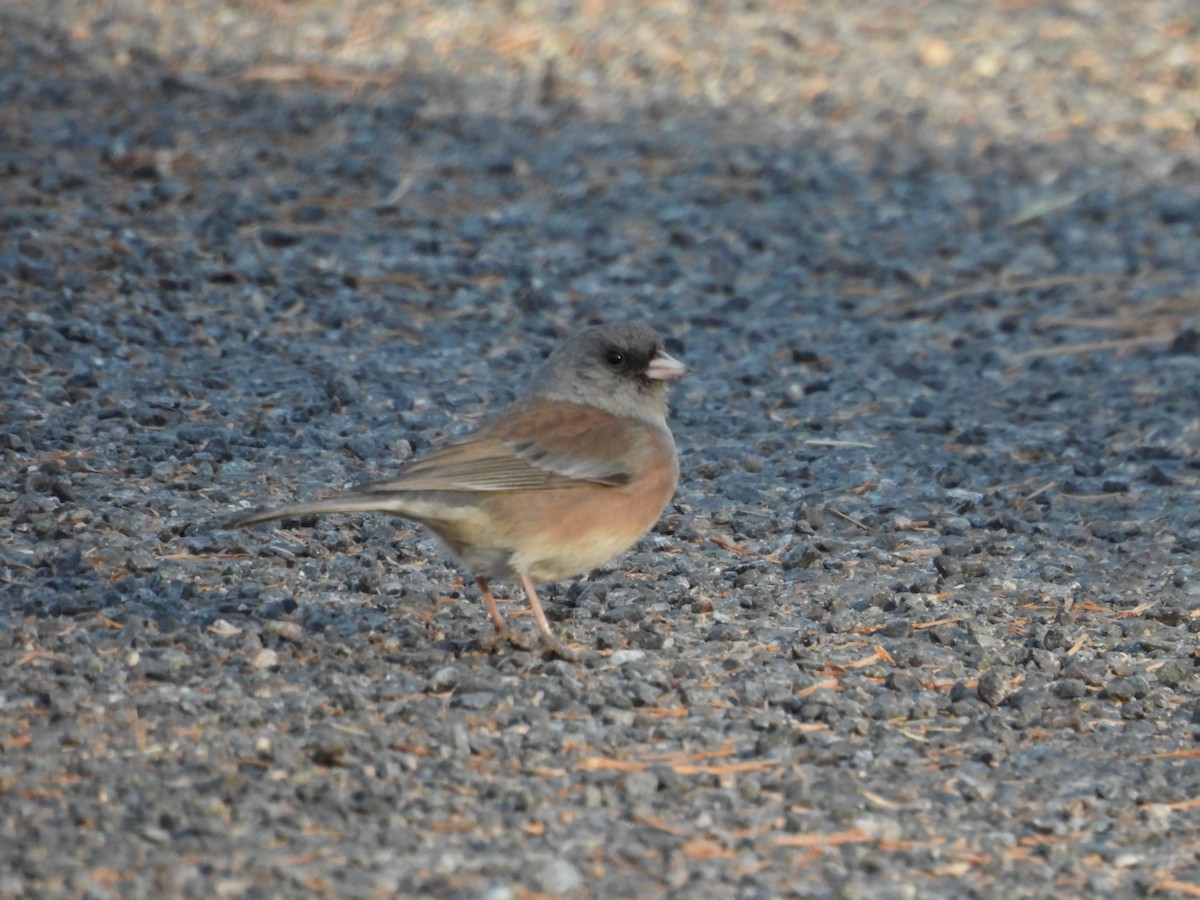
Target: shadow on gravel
(291,240)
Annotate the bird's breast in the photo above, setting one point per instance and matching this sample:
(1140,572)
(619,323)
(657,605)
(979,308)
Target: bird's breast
(571,531)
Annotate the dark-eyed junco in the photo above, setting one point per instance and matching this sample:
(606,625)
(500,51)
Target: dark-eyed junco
(559,482)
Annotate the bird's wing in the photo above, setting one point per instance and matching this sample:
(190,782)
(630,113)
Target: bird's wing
(530,447)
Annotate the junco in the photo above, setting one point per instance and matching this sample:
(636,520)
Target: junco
(559,482)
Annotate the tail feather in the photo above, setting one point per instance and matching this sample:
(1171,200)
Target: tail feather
(342,503)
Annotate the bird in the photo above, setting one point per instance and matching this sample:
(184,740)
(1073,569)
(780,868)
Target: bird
(560,481)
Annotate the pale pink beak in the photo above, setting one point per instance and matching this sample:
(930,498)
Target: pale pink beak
(664,367)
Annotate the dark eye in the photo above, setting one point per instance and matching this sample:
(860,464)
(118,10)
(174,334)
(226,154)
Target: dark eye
(614,358)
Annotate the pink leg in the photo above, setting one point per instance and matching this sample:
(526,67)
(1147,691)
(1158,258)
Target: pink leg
(503,632)
(493,609)
(548,637)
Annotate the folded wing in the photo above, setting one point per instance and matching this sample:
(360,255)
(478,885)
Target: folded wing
(532,447)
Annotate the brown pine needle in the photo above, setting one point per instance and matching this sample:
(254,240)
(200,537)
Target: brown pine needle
(836,839)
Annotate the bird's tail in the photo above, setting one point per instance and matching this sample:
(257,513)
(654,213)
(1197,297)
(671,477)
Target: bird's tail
(342,503)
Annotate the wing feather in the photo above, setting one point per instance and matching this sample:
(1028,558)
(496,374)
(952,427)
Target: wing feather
(494,466)
(530,447)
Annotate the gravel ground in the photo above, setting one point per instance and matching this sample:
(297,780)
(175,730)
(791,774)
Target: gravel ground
(922,620)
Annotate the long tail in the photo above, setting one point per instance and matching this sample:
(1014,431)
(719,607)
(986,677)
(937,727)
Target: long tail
(342,503)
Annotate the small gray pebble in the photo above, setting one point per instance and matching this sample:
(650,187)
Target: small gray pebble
(994,687)
(724,633)
(842,622)
(559,877)
(1070,689)
(801,555)
(475,700)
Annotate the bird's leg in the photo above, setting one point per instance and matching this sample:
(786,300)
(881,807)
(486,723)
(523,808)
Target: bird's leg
(548,637)
(503,632)
(493,609)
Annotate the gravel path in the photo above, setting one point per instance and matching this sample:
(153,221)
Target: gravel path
(922,620)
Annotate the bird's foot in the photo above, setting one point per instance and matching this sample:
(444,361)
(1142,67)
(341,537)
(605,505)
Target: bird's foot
(551,648)
(548,648)
(506,635)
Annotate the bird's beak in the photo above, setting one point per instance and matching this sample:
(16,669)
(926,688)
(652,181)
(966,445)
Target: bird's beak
(664,367)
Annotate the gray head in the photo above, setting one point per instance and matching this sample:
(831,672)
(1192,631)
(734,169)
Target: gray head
(621,368)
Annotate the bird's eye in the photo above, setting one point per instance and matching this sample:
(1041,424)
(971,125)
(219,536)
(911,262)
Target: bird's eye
(614,358)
